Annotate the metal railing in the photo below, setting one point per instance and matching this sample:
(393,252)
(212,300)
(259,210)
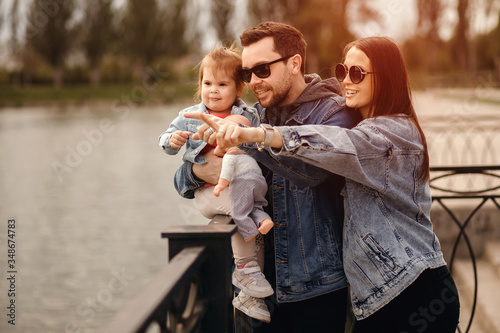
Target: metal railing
(476,186)
(462,140)
(193,292)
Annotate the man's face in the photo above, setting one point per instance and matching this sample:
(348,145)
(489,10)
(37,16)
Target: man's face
(273,90)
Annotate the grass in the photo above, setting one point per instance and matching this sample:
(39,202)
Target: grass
(19,96)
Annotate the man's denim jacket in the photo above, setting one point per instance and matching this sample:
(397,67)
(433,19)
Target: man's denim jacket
(194,147)
(388,236)
(307,209)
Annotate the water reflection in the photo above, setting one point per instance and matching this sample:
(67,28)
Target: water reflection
(89,210)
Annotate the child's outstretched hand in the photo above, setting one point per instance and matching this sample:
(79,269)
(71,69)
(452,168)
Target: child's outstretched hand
(179,138)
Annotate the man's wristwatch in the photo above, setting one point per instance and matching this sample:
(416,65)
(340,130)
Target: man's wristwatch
(268,136)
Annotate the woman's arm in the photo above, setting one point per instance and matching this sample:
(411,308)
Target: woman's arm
(228,134)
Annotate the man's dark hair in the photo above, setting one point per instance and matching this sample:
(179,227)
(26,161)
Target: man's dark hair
(288,41)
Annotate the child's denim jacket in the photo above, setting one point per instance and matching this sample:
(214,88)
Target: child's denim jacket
(194,147)
(388,237)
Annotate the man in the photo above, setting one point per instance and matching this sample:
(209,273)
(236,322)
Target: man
(303,259)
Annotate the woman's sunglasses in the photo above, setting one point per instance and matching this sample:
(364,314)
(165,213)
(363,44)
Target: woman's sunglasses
(261,71)
(355,73)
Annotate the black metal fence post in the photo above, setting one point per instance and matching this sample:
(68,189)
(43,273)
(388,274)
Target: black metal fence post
(215,284)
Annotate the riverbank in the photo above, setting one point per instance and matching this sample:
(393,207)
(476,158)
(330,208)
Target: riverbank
(101,96)
(79,95)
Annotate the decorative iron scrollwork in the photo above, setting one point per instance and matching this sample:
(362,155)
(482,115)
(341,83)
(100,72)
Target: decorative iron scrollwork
(469,187)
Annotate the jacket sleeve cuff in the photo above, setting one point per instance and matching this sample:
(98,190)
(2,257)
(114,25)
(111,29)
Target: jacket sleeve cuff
(185,181)
(291,141)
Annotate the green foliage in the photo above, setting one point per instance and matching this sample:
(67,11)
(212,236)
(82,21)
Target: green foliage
(115,69)
(50,31)
(84,94)
(148,30)
(97,30)
(121,45)
(4,76)
(141,30)
(222,11)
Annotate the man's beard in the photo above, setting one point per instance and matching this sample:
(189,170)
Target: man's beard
(279,93)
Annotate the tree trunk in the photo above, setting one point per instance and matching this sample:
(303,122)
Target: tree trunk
(462,34)
(58,77)
(95,77)
(497,68)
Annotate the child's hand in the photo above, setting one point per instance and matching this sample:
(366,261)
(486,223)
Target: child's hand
(218,189)
(218,151)
(221,185)
(179,139)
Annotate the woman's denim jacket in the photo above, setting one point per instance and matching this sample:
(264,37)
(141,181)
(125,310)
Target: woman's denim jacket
(388,236)
(307,209)
(194,147)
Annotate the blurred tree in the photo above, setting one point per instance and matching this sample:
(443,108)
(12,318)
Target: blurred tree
(222,11)
(461,38)
(98,34)
(323,22)
(494,37)
(328,35)
(430,13)
(488,51)
(173,14)
(1,19)
(51,33)
(149,31)
(261,11)
(142,32)
(14,43)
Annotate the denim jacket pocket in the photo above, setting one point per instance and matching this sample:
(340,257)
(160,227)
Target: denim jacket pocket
(385,264)
(370,258)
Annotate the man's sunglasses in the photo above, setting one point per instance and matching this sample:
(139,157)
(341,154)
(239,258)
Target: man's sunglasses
(261,71)
(355,73)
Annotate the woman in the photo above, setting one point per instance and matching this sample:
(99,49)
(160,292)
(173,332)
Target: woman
(392,258)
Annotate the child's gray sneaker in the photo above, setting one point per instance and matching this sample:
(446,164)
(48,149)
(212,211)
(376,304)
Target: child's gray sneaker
(251,280)
(252,307)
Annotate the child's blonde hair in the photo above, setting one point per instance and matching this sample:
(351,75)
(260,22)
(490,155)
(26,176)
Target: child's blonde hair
(222,58)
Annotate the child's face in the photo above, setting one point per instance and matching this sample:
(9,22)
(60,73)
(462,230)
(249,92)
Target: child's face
(218,90)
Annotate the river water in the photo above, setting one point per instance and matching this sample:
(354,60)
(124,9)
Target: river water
(85,193)
(90,192)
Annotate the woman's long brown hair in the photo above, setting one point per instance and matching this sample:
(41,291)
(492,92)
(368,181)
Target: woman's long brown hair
(392,93)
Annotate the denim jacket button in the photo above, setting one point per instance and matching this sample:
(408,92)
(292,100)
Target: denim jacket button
(360,312)
(291,143)
(195,152)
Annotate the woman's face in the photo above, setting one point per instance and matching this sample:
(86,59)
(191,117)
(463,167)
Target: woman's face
(360,95)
